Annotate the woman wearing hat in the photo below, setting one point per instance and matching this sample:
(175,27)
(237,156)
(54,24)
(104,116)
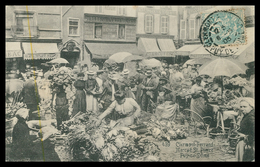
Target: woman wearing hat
(21,142)
(79,103)
(245,148)
(126,110)
(199,98)
(91,87)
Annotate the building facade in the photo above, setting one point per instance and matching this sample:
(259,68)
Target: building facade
(32,35)
(97,32)
(157,30)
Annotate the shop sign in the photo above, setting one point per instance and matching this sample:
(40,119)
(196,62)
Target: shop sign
(160,54)
(41,56)
(13,53)
(110,19)
(156,11)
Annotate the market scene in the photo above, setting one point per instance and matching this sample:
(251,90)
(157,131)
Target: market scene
(130,83)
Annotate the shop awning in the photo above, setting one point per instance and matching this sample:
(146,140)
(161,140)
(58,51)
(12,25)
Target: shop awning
(13,50)
(200,52)
(104,50)
(246,53)
(148,45)
(164,48)
(40,51)
(166,45)
(186,50)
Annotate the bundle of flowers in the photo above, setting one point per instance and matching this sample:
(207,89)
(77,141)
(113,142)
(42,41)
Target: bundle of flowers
(60,78)
(239,81)
(165,130)
(10,111)
(105,143)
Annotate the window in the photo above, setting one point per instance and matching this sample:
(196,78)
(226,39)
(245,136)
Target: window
(21,21)
(164,24)
(183,29)
(192,29)
(98,30)
(121,31)
(99,9)
(149,23)
(73,26)
(198,24)
(121,11)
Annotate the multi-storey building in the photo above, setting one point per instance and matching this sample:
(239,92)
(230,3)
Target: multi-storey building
(97,32)
(32,35)
(157,30)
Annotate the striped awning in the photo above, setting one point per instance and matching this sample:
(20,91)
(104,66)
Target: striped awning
(40,51)
(186,50)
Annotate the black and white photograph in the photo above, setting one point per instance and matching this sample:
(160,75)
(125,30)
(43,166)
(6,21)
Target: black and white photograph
(114,83)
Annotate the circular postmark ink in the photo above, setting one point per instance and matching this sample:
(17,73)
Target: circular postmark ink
(222,32)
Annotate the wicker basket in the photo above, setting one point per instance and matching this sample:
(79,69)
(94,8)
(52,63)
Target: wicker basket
(233,140)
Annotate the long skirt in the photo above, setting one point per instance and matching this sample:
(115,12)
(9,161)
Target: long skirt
(79,103)
(167,111)
(243,154)
(138,94)
(92,104)
(199,106)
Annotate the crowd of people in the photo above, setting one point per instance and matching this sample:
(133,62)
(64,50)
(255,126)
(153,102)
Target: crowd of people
(113,95)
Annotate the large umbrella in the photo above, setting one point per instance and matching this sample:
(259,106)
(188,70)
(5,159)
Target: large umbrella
(132,58)
(197,61)
(222,67)
(151,62)
(59,61)
(119,57)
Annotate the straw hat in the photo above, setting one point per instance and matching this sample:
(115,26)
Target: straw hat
(148,72)
(167,88)
(113,77)
(163,78)
(91,73)
(126,71)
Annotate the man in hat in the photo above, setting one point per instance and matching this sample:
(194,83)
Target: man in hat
(125,84)
(156,71)
(166,70)
(99,79)
(138,80)
(149,85)
(110,86)
(178,77)
(91,87)
(139,76)
(162,82)
(31,95)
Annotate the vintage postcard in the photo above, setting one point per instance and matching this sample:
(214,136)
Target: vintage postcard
(130,83)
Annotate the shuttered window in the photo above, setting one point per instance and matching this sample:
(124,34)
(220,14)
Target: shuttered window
(192,29)
(183,29)
(149,23)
